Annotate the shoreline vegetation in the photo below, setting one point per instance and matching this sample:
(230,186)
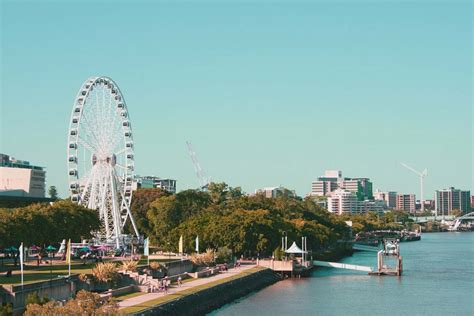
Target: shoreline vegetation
(250,226)
(227,222)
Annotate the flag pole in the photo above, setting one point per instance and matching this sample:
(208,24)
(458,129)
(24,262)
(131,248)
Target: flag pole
(21,263)
(69,256)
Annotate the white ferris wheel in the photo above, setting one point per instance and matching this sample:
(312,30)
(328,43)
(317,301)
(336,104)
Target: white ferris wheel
(100,157)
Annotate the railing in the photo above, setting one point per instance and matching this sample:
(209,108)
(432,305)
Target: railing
(342,266)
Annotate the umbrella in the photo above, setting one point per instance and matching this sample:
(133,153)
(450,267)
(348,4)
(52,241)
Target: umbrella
(35,247)
(84,249)
(11,249)
(50,249)
(103,247)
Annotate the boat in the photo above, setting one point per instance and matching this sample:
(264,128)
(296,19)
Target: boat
(410,236)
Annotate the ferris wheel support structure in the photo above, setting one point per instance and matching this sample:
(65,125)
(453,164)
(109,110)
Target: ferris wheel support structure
(100,157)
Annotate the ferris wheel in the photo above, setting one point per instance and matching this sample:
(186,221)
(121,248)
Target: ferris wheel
(100,156)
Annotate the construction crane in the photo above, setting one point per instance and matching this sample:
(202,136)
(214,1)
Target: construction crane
(422,176)
(203,180)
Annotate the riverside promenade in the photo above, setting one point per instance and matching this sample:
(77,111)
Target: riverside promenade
(144,301)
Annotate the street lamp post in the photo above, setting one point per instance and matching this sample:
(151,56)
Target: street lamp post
(284,243)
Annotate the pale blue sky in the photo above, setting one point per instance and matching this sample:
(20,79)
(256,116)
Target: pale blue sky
(269,93)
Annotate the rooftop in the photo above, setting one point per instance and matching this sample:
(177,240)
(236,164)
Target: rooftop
(7,161)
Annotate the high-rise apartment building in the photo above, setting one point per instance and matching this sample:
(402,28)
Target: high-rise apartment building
(406,202)
(452,199)
(390,198)
(342,201)
(332,180)
(18,178)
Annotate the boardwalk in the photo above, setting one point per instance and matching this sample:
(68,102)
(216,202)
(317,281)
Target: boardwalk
(138,300)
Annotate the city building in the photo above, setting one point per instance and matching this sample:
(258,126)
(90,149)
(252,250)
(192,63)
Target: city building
(372,206)
(18,178)
(273,192)
(343,201)
(149,182)
(333,180)
(452,199)
(390,198)
(406,202)
(321,201)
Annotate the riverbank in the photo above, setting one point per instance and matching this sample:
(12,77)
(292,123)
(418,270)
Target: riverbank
(427,268)
(202,296)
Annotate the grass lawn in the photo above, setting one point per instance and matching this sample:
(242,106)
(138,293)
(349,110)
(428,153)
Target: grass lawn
(173,296)
(33,273)
(126,296)
(143,261)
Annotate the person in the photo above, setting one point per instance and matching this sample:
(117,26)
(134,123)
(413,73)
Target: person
(8,274)
(38,259)
(179,281)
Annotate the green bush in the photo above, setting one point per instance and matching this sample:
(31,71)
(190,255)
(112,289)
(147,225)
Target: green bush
(6,309)
(223,255)
(33,298)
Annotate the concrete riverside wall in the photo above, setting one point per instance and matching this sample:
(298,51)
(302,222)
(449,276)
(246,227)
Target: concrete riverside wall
(204,273)
(207,300)
(178,267)
(277,265)
(120,291)
(57,289)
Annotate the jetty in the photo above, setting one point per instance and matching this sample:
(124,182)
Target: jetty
(389,261)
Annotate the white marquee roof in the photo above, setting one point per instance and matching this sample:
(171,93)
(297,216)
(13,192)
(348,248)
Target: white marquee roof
(295,249)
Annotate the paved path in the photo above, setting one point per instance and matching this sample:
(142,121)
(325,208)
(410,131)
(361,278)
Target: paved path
(187,285)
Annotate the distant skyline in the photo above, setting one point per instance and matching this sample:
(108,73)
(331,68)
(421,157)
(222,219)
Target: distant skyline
(269,93)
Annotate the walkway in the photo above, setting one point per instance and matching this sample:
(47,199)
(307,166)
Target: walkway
(186,285)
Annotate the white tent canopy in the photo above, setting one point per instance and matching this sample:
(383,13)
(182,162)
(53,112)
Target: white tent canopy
(295,249)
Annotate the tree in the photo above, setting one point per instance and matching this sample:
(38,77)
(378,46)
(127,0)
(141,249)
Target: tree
(53,193)
(46,223)
(456,212)
(224,217)
(85,303)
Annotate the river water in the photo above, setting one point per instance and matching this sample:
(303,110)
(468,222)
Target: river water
(438,279)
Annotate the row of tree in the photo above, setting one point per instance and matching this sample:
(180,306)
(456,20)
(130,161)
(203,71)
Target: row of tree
(223,217)
(41,224)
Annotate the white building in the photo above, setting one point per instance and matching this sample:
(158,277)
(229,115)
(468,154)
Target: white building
(20,179)
(149,182)
(345,202)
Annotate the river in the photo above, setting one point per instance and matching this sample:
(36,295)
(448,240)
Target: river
(438,279)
